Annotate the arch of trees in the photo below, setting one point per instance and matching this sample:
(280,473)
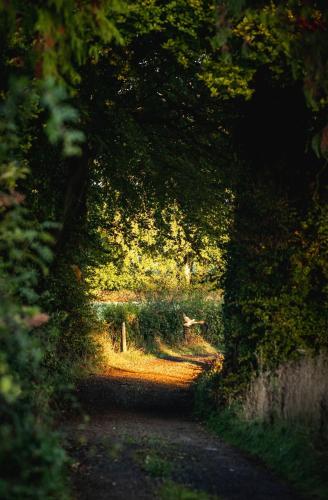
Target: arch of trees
(217,108)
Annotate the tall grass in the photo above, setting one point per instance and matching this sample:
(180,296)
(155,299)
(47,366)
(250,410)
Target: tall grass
(296,391)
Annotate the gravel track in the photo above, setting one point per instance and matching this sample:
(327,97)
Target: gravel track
(141,436)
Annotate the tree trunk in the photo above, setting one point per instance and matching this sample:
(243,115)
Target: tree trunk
(75,201)
(187,272)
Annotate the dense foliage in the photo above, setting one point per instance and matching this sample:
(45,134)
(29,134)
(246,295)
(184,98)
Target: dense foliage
(161,320)
(154,254)
(37,352)
(276,282)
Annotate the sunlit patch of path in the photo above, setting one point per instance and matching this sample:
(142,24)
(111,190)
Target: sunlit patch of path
(142,443)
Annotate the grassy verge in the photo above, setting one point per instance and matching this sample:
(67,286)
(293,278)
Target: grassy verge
(290,450)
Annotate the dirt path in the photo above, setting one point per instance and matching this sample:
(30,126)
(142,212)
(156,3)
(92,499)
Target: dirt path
(141,442)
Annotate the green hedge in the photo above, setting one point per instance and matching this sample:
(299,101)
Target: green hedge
(146,321)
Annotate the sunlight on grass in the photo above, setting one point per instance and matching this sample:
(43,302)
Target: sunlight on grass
(176,366)
(197,347)
(134,359)
(139,360)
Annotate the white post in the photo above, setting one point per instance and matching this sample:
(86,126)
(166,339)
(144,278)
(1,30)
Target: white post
(123,338)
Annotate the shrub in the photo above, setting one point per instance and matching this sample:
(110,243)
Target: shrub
(33,462)
(147,321)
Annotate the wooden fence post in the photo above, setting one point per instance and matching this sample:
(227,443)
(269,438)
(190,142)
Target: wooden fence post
(186,333)
(123,338)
